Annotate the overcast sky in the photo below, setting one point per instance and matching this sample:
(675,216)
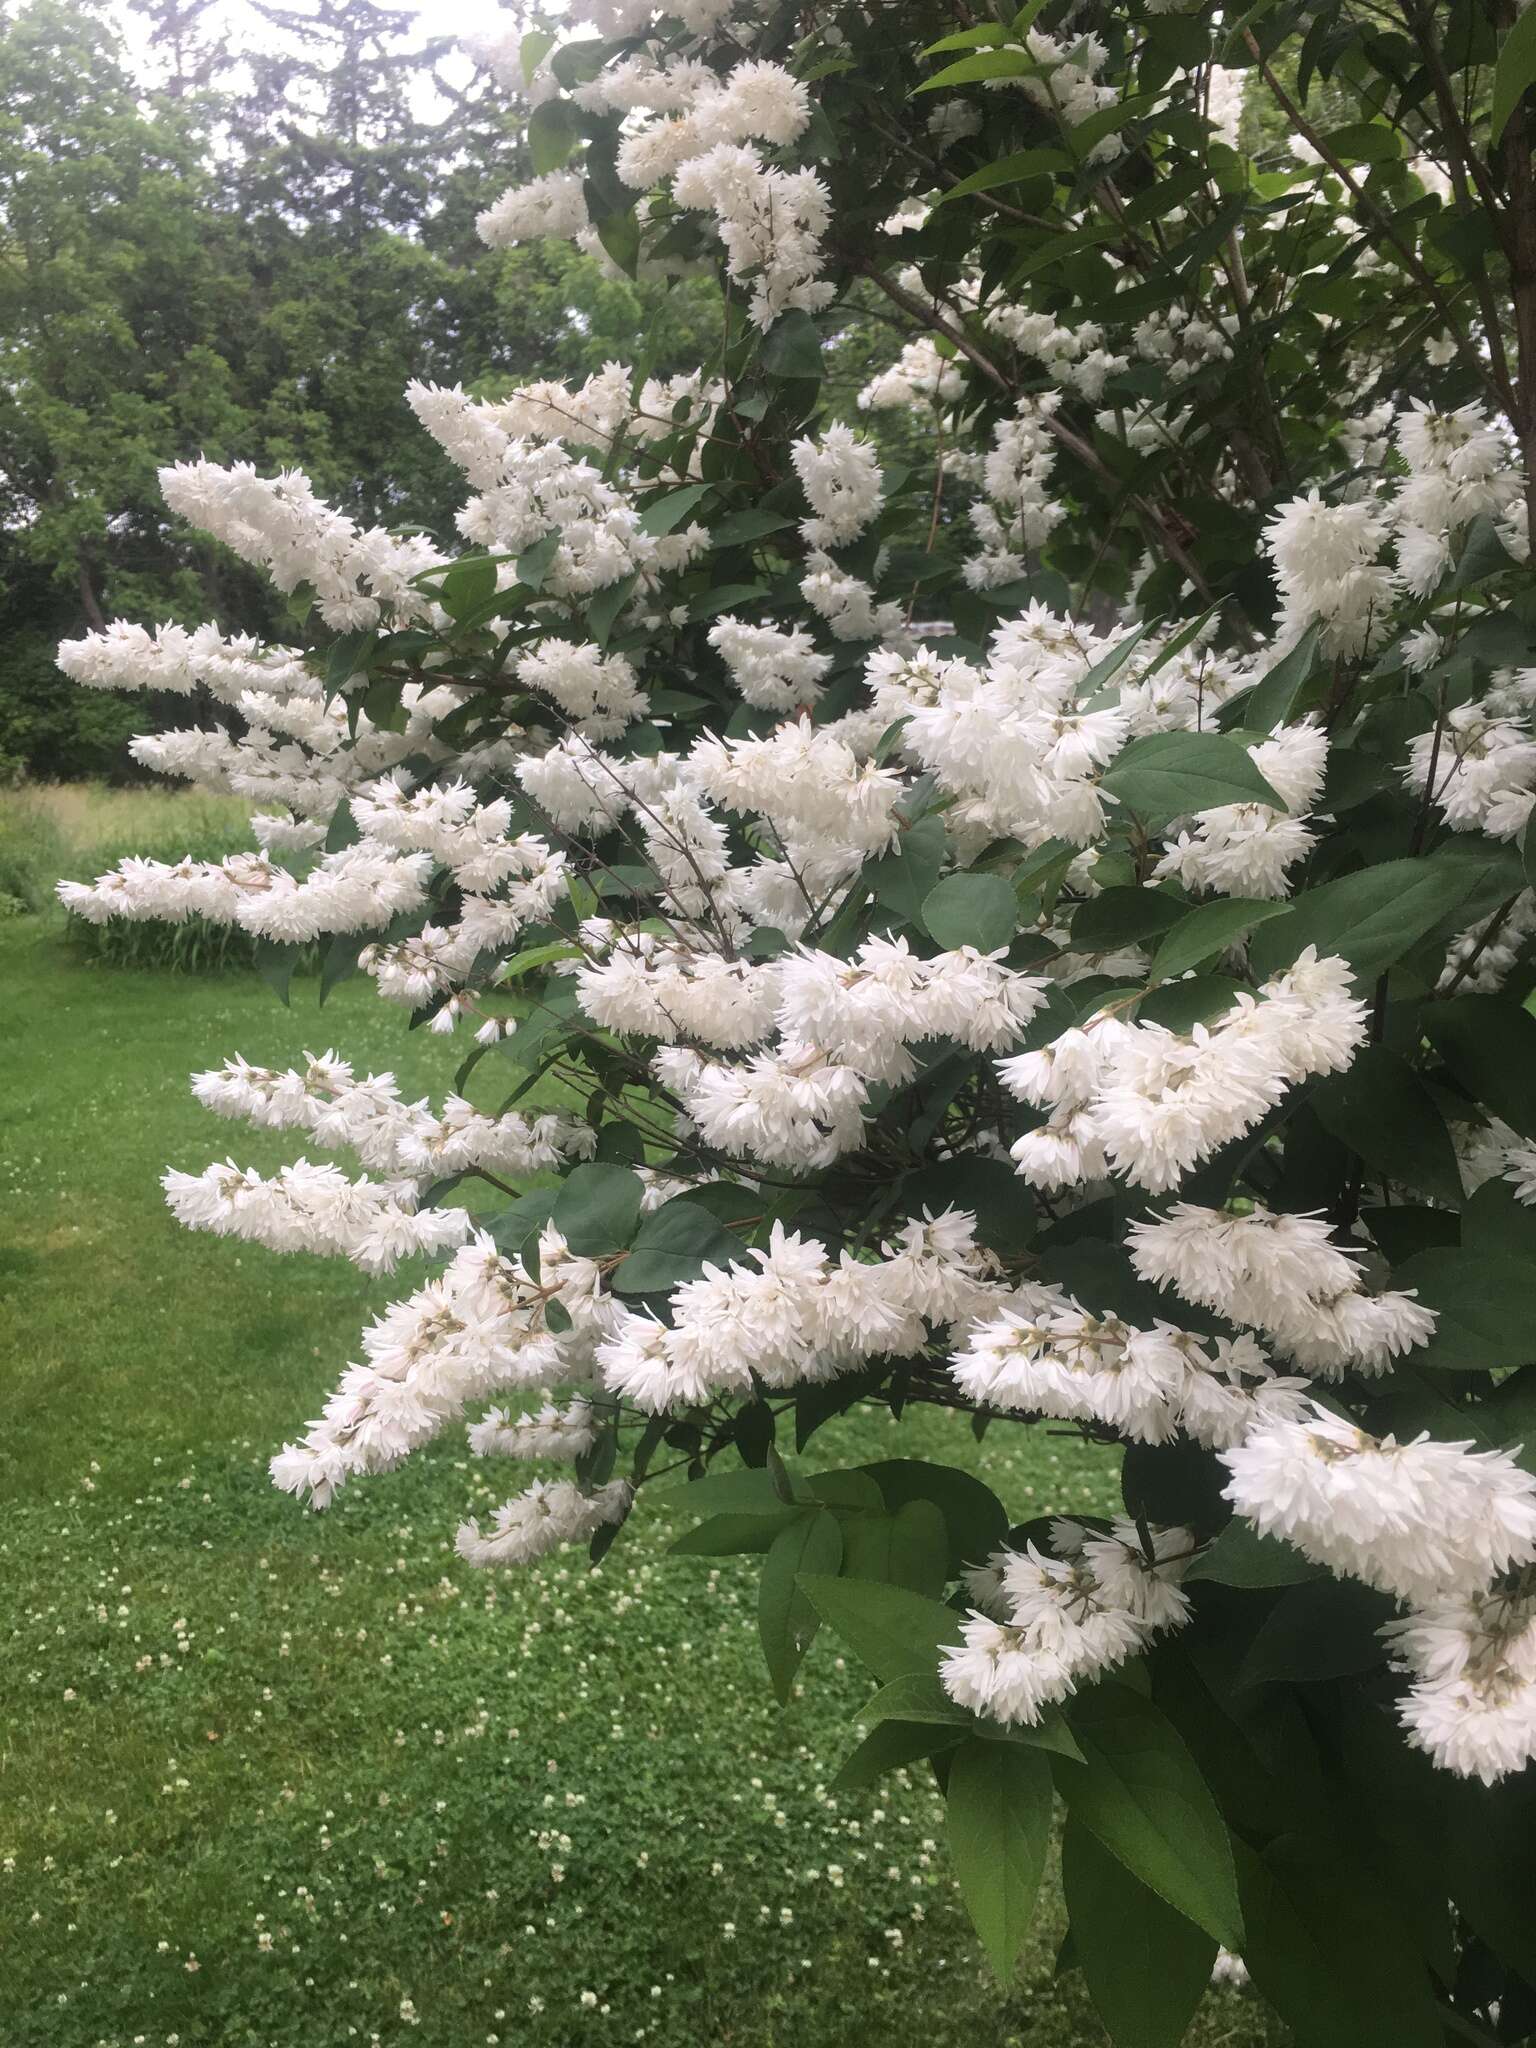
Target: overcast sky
(246,30)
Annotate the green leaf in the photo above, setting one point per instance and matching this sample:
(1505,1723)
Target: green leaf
(1491,1873)
(1240,1556)
(604,608)
(908,1548)
(532,50)
(1170,774)
(792,346)
(1513,74)
(1495,1220)
(1140,1791)
(553,131)
(998,1808)
(518,1226)
(903,878)
(888,1628)
(1009,170)
(275,964)
(786,1620)
(339,963)
(1364,142)
(735,1535)
(851,1488)
(1323,1629)
(597,1208)
(1489,1044)
(1483,1305)
(661,515)
(1331,1954)
(975,1520)
(1181,1005)
(749,1490)
(671,1247)
(1208,930)
(535,958)
(469,584)
(986,64)
(1146,1966)
(1123,917)
(1372,918)
(533,563)
(988,1188)
(1109,665)
(1381,1110)
(972,910)
(983,35)
(888,1747)
(916,1696)
(619,234)
(739,528)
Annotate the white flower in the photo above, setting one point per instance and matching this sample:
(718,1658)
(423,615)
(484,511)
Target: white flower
(1421,1520)
(1065,1619)
(541,1520)
(1280,1274)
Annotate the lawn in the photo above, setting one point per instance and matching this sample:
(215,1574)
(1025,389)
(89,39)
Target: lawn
(274,1778)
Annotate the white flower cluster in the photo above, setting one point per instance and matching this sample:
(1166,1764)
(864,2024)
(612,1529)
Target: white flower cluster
(308,1208)
(549,1514)
(1283,1275)
(774,669)
(805,780)
(1045,1355)
(360,575)
(848,604)
(789,1107)
(1325,560)
(799,1317)
(841,476)
(1148,1104)
(919,379)
(130,657)
(1054,1622)
(1249,849)
(1074,356)
(656,989)
(594,689)
(361,888)
(527,488)
(1018,514)
(549,1432)
(1423,1521)
(1484,767)
(405,1140)
(478,1327)
(867,1011)
(1064,85)
(770,221)
(1460,466)
(552,205)
(1472,1704)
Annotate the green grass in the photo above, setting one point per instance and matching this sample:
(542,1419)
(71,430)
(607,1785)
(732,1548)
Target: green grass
(273,1778)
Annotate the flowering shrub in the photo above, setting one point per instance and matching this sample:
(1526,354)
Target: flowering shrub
(1044,932)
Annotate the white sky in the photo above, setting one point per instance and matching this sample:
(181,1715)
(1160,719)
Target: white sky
(245,29)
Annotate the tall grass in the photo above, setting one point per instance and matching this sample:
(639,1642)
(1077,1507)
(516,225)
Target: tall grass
(79,830)
(33,854)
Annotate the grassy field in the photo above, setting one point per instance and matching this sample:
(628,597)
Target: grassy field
(274,1778)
